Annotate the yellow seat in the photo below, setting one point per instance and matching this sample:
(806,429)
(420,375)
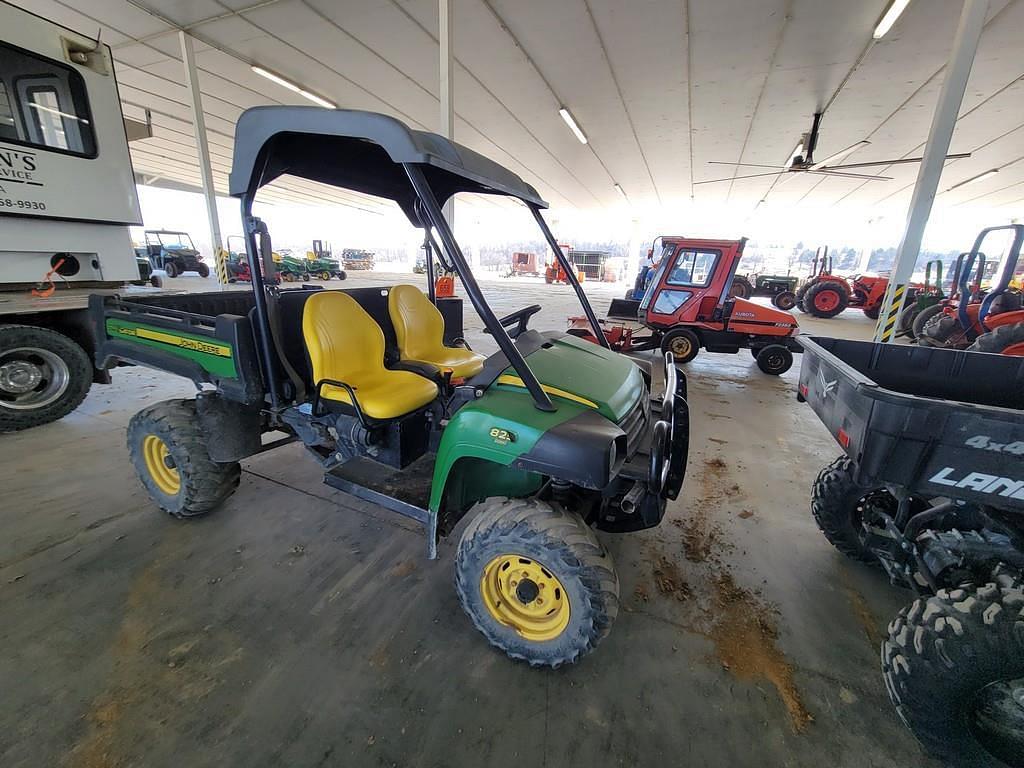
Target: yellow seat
(346,344)
(419,329)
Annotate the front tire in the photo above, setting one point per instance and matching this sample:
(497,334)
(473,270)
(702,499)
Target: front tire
(954,669)
(535,581)
(203,269)
(921,319)
(167,446)
(784,300)
(44,376)
(683,343)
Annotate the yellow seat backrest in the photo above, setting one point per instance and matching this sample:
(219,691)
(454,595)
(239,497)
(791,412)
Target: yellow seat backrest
(419,327)
(344,342)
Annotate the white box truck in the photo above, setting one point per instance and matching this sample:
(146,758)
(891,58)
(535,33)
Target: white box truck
(67,198)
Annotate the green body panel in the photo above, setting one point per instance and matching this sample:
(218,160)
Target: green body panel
(609,379)
(762,281)
(213,355)
(575,366)
(323,265)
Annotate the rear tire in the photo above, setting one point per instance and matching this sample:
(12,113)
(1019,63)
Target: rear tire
(1003,338)
(873,312)
(837,503)
(44,376)
(683,343)
(953,667)
(774,359)
(826,299)
(941,330)
(741,288)
(559,560)
(167,446)
(171,269)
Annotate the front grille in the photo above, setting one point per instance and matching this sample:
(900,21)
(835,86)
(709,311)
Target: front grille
(634,423)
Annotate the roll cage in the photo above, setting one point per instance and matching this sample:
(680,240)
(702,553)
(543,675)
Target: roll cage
(377,155)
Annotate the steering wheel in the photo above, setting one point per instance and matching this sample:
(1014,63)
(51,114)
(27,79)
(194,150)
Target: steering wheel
(519,318)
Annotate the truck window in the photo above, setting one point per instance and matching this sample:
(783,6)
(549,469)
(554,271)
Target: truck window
(43,104)
(693,268)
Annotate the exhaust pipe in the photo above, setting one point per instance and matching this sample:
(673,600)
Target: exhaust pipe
(632,498)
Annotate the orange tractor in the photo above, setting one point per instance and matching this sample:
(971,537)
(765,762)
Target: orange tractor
(687,306)
(825,295)
(983,321)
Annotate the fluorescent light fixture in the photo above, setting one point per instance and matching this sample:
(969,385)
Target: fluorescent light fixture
(293,87)
(57,112)
(975,179)
(892,13)
(840,154)
(571,122)
(621,191)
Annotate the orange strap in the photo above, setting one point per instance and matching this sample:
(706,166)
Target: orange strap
(47,287)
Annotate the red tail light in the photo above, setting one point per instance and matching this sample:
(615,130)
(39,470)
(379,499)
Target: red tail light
(803,389)
(843,437)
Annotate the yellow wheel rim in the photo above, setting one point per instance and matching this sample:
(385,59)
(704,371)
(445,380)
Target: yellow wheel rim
(159,464)
(522,594)
(680,346)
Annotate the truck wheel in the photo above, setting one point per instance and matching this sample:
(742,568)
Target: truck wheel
(953,668)
(826,299)
(168,448)
(203,269)
(784,300)
(1004,340)
(44,376)
(839,505)
(171,269)
(682,343)
(921,319)
(774,359)
(535,581)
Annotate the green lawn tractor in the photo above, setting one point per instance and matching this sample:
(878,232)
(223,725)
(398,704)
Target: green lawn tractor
(321,262)
(528,450)
(917,301)
(291,268)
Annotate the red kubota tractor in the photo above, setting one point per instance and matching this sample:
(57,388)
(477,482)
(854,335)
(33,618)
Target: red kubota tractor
(687,306)
(983,321)
(826,295)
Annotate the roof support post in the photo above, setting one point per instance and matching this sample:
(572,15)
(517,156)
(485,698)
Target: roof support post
(958,69)
(447,86)
(188,57)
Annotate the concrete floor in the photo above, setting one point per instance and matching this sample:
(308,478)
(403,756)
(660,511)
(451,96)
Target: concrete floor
(298,626)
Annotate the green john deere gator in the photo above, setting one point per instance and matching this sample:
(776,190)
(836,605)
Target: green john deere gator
(535,445)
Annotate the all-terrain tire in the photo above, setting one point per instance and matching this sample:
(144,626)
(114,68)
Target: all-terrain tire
(999,340)
(943,654)
(800,293)
(835,505)
(203,484)
(55,354)
(941,330)
(203,269)
(171,269)
(821,288)
(922,318)
(558,541)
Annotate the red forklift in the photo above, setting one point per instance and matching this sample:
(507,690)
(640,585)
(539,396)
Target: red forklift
(687,306)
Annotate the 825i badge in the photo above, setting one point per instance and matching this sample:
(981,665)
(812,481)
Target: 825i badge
(502,436)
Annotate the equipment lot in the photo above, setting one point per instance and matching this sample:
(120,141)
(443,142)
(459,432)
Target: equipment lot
(300,626)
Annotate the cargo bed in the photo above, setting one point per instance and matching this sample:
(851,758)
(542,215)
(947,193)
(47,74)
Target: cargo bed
(940,423)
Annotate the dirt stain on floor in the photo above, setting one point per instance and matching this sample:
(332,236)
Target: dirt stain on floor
(867,620)
(740,622)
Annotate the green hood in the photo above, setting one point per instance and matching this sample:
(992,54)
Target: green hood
(577,367)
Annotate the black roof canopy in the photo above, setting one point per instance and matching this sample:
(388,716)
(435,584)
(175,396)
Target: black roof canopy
(362,151)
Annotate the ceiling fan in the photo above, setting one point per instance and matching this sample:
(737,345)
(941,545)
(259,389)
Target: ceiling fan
(802,161)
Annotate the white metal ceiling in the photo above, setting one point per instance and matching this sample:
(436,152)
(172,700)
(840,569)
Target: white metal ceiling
(660,87)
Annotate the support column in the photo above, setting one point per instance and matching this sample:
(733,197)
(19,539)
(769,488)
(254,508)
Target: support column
(446,90)
(958,69)
(188,57)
